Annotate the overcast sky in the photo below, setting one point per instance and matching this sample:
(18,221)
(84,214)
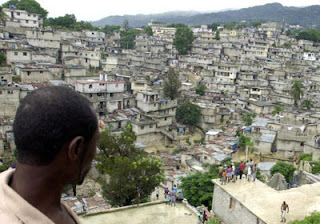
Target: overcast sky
(91,10)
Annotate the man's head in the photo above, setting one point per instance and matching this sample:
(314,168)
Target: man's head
(56,125)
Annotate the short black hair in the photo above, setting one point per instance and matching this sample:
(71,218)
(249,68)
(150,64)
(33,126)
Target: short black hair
(48,118)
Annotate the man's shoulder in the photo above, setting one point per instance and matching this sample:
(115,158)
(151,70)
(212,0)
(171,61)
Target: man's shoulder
(7,216)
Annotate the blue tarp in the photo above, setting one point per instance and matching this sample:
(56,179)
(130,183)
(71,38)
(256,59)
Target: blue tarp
(235,146)
(247,129)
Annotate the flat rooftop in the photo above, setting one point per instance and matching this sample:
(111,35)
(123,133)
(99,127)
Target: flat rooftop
(265,202)
(159,214)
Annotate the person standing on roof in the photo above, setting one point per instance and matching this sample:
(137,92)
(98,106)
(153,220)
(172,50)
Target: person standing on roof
(284,210)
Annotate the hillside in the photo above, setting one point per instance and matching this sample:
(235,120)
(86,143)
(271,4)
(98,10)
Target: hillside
(270,12)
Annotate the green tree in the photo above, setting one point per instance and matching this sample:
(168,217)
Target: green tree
(214,220)
(133,175)
(315,167)
(127,38)
(307,104)
(230,26)
(183,40)
(287,45)
(148,30)
(110,30)
(3,16)
(213,26)
(67,21)
(3,168)
(305,156)
(285,169)
(313,35)
(188,114)
(244,141)
(172,85)
(247,118)
(126,25)
(297,92)
(201,89)
(256,23)
(217,35)
(2,58)
(177,25)
(197,188)
(277,109)
(30,6)
(314,218)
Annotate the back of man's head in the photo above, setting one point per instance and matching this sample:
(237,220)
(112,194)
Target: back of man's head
(47,119)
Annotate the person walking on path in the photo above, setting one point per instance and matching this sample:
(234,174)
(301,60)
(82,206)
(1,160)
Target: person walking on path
(175,189)
(284,210)
(173,198)
(157,192)
(224,177)
(249,174)
(241,169)
(229,173)
(166,195)
(254,172)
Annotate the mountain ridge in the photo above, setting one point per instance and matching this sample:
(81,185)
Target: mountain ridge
(274,12)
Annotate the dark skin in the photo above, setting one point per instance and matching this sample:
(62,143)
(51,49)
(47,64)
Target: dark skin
(70,166)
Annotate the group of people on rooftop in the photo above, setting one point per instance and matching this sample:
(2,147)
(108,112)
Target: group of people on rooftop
(231,173)
(172,196)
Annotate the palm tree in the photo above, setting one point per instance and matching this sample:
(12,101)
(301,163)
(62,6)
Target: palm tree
(297,92)
(308,104)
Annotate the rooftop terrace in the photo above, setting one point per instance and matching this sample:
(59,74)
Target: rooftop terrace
(265,202)
(158,213)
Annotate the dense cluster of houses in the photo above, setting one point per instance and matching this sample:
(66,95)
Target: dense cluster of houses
(247,70)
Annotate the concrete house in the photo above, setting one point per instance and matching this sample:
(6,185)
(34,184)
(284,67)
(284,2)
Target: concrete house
(19,55)
(21,18)
(105,96)
(38,72)
(9,100)
(291,140)
(43,39)
(71,73)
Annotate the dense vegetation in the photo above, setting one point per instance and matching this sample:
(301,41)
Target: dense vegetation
(201,90)
(183,40)
(127,38)
(197,188)
(30,6)
(314,218)
(2,58)
(285,169)
(188,114)
(172,85)
(133,175)
(68,22)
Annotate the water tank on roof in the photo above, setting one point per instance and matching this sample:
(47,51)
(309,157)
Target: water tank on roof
(101,77)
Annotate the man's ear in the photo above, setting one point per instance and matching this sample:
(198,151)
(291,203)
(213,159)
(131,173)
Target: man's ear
(76,147)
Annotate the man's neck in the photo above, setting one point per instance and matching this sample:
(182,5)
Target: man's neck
(40,186)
